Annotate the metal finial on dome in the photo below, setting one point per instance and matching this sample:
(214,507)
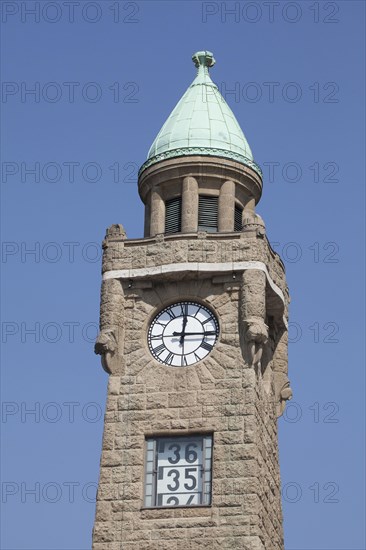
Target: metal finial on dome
(203,59)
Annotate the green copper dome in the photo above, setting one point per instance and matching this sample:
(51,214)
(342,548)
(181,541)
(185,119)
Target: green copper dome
(202,123)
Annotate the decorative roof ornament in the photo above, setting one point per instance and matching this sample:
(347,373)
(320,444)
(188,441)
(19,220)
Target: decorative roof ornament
(202,123)
(203,59)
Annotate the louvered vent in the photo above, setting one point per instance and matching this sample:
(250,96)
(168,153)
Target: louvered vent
(238,218)
(208,213)
(173,215)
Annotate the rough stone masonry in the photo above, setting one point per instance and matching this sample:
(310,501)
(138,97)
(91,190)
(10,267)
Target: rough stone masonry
(235,393)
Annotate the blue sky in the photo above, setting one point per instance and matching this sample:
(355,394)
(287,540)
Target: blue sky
(105,76)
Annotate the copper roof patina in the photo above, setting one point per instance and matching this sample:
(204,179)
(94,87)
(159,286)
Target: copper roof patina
(201,123)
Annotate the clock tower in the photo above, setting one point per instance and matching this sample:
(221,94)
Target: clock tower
(193,334)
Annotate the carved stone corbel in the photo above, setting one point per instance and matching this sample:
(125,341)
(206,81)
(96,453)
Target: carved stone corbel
(283,392)
(106,347)
(254,331)
(282,389)
(109,343)
(256,336)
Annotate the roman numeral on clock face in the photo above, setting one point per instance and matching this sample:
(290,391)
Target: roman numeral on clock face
(198,310)
(207,320)
(170,313)
(184,309)
(159,349)
(206,346)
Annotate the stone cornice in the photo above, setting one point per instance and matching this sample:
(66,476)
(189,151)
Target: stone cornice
(212,168)
(194,267)
(201,151)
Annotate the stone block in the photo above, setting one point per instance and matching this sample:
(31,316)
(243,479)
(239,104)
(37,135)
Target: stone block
(183,399)
(111,458)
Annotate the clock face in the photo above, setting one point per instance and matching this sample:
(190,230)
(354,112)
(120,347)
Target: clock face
(182,334)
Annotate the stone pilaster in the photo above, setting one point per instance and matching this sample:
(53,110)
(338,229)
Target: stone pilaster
(147,217)
(226,206)
(189,205)
(157,212)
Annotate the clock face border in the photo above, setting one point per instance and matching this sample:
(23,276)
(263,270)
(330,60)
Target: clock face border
(183,333)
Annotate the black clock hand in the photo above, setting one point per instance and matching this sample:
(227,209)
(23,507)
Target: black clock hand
(209,333)
(183,330)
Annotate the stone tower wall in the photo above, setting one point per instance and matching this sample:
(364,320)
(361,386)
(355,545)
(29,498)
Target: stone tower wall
(231,393)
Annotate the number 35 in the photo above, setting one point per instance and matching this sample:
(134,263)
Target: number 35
(188,475)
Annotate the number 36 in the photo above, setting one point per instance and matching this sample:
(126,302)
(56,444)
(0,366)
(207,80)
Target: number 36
(190,455)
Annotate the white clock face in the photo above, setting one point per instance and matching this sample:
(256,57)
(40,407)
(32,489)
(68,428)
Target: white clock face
(182,334)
